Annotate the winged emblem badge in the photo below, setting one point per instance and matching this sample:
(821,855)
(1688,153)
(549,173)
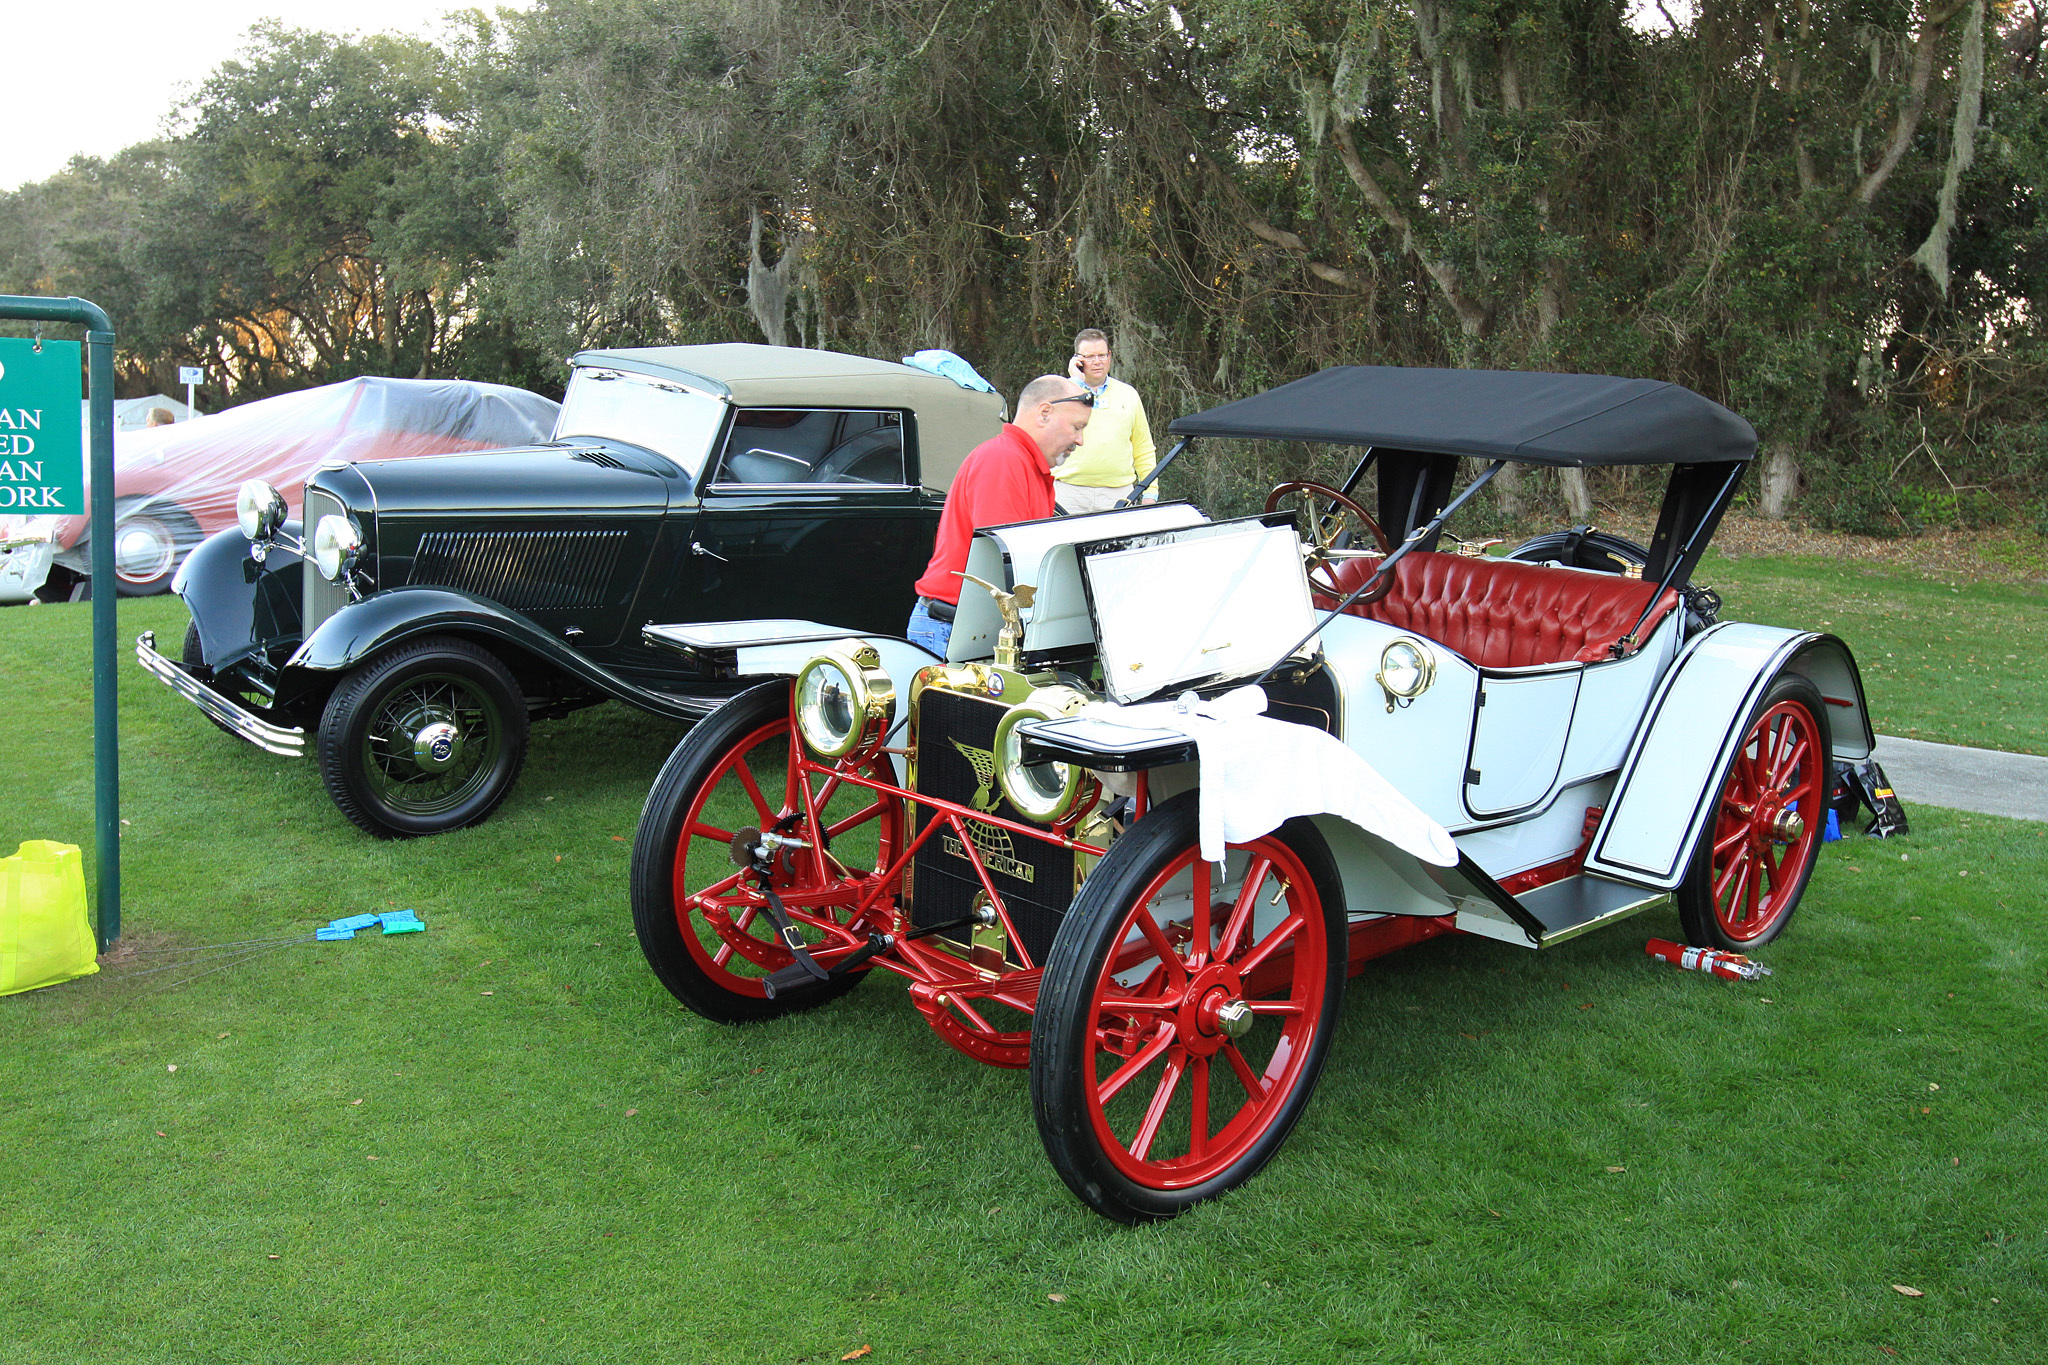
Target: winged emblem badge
(983,761)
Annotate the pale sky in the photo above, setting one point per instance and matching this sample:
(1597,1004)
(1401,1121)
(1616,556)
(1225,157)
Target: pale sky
(142,59)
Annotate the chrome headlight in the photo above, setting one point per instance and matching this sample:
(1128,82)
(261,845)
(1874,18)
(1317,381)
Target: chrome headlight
(1407,668)
(335,543)
(1045,792)
(843,700)
(259,510)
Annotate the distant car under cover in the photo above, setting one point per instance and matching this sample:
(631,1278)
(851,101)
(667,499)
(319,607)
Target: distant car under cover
(175,485)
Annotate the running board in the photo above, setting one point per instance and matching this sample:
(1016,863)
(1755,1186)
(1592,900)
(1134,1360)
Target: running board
(1550,914)
(1580,904)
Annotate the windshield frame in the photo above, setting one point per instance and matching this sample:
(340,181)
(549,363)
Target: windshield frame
(593,409)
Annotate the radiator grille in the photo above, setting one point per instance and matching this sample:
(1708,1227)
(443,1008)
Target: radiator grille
(319,599)
(1034,878)
(524,570)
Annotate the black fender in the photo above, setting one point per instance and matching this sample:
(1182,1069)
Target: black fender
(243,607)
(363,629)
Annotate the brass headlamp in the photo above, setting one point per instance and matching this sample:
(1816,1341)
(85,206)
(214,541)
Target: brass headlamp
(844,701)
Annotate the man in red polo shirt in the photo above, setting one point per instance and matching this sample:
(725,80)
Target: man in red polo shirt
(1004,479)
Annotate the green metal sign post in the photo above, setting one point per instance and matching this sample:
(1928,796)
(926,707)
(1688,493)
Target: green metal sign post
(40,472)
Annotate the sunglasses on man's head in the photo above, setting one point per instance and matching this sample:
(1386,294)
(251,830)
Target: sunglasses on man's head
(1086,400)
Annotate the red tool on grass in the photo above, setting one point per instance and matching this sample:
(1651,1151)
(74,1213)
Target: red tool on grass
(1734,966)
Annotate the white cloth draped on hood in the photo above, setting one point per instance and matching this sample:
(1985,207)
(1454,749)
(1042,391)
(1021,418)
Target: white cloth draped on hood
(1258,772)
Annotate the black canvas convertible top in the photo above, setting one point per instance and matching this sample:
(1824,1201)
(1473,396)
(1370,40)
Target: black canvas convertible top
(1532,417)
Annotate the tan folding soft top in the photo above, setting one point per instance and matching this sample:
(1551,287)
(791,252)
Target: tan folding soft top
(950,420)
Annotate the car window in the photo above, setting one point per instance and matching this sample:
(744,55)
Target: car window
(665,418)
(813,446)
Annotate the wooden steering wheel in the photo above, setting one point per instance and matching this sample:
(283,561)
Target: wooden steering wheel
(1327,527)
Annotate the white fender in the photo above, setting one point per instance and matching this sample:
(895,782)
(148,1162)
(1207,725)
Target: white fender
(900,659)
(1669,783)
(780,648)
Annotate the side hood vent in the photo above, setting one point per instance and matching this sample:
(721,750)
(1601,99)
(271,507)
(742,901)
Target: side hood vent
(524,570)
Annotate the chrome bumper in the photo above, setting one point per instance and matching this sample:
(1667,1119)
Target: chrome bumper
(231,715)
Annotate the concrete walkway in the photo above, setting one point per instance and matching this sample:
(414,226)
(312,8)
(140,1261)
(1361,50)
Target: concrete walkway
(1986,780)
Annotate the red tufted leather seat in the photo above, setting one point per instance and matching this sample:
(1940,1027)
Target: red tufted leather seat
(1502,613)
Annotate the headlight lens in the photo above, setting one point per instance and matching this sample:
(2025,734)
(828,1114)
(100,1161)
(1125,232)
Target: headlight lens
(259,510)
(843,699)
(1045,792)
(1407,668)
(335,542)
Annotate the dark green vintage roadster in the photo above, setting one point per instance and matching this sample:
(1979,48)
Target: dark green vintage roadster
(423,611)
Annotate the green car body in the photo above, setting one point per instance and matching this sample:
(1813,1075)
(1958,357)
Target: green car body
(468,593)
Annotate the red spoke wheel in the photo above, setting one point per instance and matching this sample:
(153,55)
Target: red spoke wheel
(1185,1013)
(701,921)
(1760,844)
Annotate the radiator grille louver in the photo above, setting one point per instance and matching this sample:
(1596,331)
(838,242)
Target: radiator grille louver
(1035,878)
(319,599)
(524,570)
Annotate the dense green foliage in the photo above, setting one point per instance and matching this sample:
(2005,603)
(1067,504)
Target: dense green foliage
(1821,212)
(502,1141)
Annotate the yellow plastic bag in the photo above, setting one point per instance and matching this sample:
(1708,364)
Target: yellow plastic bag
(45,937)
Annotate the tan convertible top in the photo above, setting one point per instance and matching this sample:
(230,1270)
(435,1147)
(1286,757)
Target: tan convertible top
(950,420)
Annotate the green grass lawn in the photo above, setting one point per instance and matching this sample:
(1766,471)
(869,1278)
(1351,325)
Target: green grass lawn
(1953,663)
(501,1141)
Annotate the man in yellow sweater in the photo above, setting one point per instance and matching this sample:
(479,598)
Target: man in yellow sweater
(1118,450)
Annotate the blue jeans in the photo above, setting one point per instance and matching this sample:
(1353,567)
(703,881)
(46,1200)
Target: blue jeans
(929,633)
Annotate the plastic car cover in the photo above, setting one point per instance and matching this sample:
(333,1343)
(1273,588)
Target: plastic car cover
(185,476)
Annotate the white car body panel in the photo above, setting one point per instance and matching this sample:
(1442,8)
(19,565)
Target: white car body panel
(1612,696)
(1519,730)
(1552,833)
(1409,744)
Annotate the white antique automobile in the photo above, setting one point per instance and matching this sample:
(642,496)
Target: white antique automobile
(1177,777)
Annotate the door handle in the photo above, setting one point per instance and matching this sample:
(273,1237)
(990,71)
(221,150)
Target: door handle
(698,549)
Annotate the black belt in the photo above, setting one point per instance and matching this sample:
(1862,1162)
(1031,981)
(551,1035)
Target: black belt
(937,610)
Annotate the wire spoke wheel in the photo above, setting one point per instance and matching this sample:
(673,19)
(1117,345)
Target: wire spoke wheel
(1759,847)
(1185,1014)
(702,919)
(401,746)
(426,738)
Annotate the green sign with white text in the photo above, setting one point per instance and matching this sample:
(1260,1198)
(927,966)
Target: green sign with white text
(42,445)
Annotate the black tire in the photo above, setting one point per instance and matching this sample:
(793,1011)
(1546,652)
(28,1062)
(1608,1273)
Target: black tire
(150,541)
(193,656)
(1584,550)
(425,738)
(1080,1045)
(1723,903)
(719,976)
